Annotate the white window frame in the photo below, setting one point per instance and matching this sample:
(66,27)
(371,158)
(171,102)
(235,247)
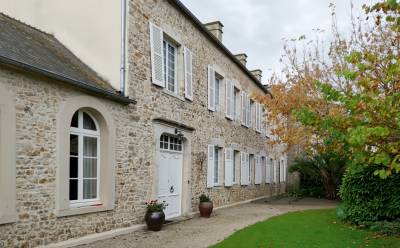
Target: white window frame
(166,68)
(234,167)
(217,165)
(81,133)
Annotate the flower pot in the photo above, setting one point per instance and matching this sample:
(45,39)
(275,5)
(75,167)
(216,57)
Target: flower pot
(205,209)
(154,220)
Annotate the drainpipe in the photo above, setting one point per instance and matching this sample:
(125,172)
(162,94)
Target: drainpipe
(123,47)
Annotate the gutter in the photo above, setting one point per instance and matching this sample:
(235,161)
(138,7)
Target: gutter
(90,89)
(180,6)
(123,47)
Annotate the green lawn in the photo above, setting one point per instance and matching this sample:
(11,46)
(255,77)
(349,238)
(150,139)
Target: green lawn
(305,229)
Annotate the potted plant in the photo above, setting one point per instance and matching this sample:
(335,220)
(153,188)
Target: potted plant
(205,206)
(155,216)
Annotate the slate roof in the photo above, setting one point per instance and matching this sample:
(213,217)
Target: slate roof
(31,49)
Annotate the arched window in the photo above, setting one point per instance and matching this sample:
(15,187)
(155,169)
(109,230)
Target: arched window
(84,159)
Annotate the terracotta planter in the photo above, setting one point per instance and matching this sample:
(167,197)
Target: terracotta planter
(154,220)
(205,209)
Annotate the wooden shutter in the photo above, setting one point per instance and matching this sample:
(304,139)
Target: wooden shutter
(228,167)
(243,107)
(258,170)
(157,55)
(229,99)
(188,74)
(210,166)
(248,168)
(243,168)
(267,170)
(211,88)
(248,110)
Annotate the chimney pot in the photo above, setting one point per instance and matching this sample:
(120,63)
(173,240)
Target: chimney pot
(257,73)
(215,28)
(242,57)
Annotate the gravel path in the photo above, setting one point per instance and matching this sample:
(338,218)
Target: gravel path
(200,232)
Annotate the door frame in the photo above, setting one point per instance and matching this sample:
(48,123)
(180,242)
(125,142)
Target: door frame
(186,190)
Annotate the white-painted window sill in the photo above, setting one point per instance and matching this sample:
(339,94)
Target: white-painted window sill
(7,219)
(82,210)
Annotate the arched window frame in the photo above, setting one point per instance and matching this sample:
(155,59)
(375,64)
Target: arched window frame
(81,132)
(107,129)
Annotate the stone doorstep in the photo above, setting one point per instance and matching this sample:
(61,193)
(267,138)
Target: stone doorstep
(127,230)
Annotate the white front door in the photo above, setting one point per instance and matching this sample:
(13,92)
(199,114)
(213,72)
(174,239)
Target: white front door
(170,175)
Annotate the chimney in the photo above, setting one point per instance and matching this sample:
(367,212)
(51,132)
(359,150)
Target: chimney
(242,57)
(215,28)
(257,73)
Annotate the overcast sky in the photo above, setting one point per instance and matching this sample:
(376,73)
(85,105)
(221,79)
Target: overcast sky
(91,28)
(256,27)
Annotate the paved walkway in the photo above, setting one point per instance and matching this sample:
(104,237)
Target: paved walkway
(200,232)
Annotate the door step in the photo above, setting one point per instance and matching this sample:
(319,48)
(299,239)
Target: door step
(176,220)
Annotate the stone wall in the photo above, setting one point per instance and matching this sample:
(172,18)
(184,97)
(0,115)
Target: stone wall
(37,104)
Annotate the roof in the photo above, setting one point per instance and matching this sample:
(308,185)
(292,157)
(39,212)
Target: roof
(31,49)
(184,10)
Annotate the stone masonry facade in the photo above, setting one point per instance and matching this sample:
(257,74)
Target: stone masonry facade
(37,105)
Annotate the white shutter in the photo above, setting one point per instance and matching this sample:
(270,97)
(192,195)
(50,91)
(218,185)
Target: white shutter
(228,166)
(258,170)
(188,74)
(229,99)
(259,117)
(272,169)
(248,169)
(243,180)
(262,121)
(157,55)
(248,109)
(267,171)
(210,166)
(211,88)
(276,172)
(243,107)
(282,170)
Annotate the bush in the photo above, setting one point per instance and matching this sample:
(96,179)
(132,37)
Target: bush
(309,191)
(385,227)
(368,198)
(204,198)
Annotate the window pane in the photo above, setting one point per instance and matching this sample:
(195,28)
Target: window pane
(89,147)
(73,141)
(216,162)
(217,88)
(88,122)
(89,189)
(74,121)
(73,189)
(73,167)
(89,168)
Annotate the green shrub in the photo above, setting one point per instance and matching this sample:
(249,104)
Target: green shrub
(309,191)
(204,198)
(320,174)
(385,227)
(368,198)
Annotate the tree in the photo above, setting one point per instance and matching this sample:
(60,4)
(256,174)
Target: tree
(349,103)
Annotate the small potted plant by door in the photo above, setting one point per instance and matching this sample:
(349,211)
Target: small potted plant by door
(155,216)
(205,206)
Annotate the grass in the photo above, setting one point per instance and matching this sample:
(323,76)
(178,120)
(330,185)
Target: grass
(306,229)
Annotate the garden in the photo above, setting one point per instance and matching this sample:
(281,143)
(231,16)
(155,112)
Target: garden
(339,116)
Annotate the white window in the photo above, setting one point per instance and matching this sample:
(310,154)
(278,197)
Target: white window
(244,168)
(170,64)
(282,170)
(243,97)
(236,103)
(252,114)
(248,112)
(171,143)
(229,160)
(216,165)
(218,83)
(251,162)
(229,103)
(236,166)
(84,159)
(268,171)
(258,170)
(272,170)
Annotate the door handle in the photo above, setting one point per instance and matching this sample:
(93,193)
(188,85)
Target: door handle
(171,189)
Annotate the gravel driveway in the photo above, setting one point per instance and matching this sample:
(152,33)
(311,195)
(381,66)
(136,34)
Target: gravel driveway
(200,232)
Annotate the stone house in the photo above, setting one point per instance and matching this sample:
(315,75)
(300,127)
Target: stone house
(78,158)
